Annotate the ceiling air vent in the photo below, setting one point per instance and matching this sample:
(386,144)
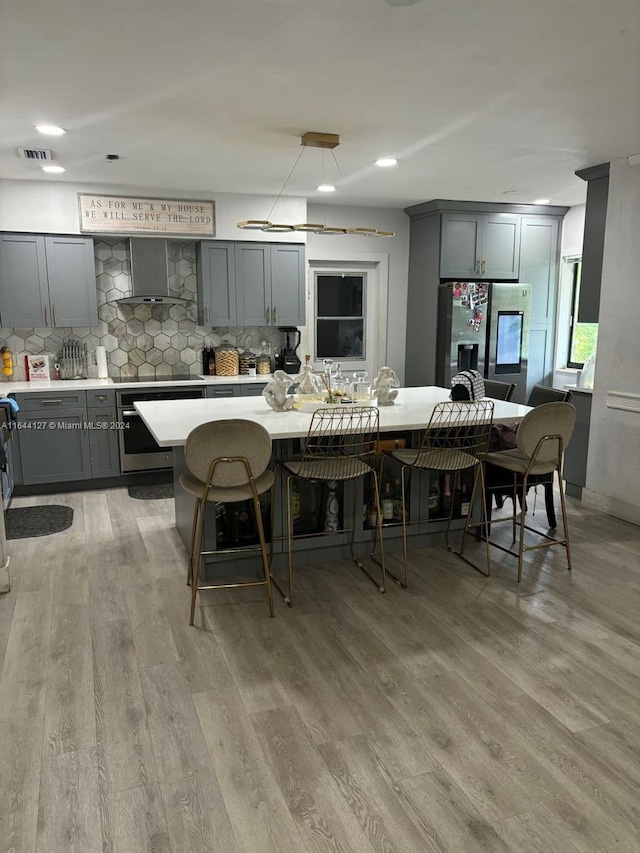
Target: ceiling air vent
(35,154)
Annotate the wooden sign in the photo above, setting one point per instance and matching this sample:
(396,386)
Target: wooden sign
(115,214)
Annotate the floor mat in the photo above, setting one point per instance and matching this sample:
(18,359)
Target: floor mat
(151,492)
(25,522)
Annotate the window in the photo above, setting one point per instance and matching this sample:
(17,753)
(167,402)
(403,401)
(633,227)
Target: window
(583,337)
(340,316)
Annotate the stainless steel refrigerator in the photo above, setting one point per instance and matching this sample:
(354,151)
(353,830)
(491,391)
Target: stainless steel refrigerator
(484,326)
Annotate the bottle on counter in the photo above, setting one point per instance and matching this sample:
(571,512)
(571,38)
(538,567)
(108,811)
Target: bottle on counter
(397,501)
(465,500)
(387,503)
(434,497)
(446,495)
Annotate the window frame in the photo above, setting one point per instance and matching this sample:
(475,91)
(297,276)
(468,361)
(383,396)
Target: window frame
(363,316)
(573,317)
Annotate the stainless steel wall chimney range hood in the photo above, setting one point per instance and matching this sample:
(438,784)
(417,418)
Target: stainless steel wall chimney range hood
(149,274)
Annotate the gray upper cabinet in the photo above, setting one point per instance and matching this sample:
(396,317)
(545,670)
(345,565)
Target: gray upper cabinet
(216,284)
(250,284)
(460,242)
(47,281)
(480,246)
(72,283)
(23,281)
(500,246)
(253,284)
(287,285)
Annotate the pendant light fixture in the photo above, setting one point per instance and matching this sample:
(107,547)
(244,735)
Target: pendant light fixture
(324,141)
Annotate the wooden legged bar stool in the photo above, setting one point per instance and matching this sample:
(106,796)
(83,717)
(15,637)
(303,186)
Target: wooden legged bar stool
(227,462)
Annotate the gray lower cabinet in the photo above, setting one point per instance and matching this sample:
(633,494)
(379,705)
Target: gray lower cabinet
(480,246)
(47,281)
(103,442)
(250,284)
(252,390)
(54,448)
(223,390)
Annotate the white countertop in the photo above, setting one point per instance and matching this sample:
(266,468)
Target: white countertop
(100,384)
(171,421)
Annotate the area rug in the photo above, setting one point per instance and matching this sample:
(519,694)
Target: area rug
(27,521)
(151,492)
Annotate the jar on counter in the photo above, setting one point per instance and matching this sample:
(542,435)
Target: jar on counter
(263,360)
(247,361)
(227,360)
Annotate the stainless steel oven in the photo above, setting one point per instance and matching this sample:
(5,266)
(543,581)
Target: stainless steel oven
(139,450)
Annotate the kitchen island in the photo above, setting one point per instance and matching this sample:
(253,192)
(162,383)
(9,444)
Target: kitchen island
(170,423)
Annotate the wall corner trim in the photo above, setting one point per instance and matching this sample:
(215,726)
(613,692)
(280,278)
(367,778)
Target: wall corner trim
(591,173)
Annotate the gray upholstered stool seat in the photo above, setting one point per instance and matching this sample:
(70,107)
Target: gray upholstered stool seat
(228,494)
(227,462)
(515,460)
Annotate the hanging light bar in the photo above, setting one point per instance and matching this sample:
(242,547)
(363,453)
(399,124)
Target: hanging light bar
(311,139)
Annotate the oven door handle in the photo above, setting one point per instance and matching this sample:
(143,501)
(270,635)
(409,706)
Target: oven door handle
(129,413)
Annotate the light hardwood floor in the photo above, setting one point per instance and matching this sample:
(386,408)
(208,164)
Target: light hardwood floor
(463,714)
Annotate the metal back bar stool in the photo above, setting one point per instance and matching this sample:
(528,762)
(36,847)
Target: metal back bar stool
(340,446)
(227,462)
(542,437)
(455,440)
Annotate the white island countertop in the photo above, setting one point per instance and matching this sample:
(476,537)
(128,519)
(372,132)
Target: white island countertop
(171,421)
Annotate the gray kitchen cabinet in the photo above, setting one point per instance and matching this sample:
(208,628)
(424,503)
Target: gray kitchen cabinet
(460,245)
(216,282)
(221,391)
(54,454)
(250,284)
(480,246)
(103,442)
(448,239)
(53,440)
(287,284)
(253,284)
(539,252)
(47,281)
(253,389)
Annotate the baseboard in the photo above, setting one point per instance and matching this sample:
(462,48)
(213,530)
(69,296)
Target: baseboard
(612,506)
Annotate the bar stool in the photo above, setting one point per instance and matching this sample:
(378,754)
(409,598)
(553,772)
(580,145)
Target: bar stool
(340,446)
(542,436)
(499,390)
(455,440)
(227,462)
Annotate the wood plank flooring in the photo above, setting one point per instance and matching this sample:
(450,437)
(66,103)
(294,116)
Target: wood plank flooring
(463,715)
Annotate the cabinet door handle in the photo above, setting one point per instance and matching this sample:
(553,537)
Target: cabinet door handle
(484,266)
(268,316)
(50,402)
(46,316)
(224,393)
(53,315)
(275,315)
(206,313)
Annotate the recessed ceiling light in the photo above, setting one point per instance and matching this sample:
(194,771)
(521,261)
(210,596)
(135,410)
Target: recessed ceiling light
(542,201)
(54,170)
(386,161)
(50,129)
(326,188)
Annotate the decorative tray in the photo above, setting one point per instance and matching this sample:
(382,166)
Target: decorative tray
(314,405)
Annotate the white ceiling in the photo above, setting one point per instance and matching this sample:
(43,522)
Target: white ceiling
(475,97)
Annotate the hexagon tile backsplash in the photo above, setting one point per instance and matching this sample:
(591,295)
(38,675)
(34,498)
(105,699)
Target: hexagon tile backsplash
(140,340)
